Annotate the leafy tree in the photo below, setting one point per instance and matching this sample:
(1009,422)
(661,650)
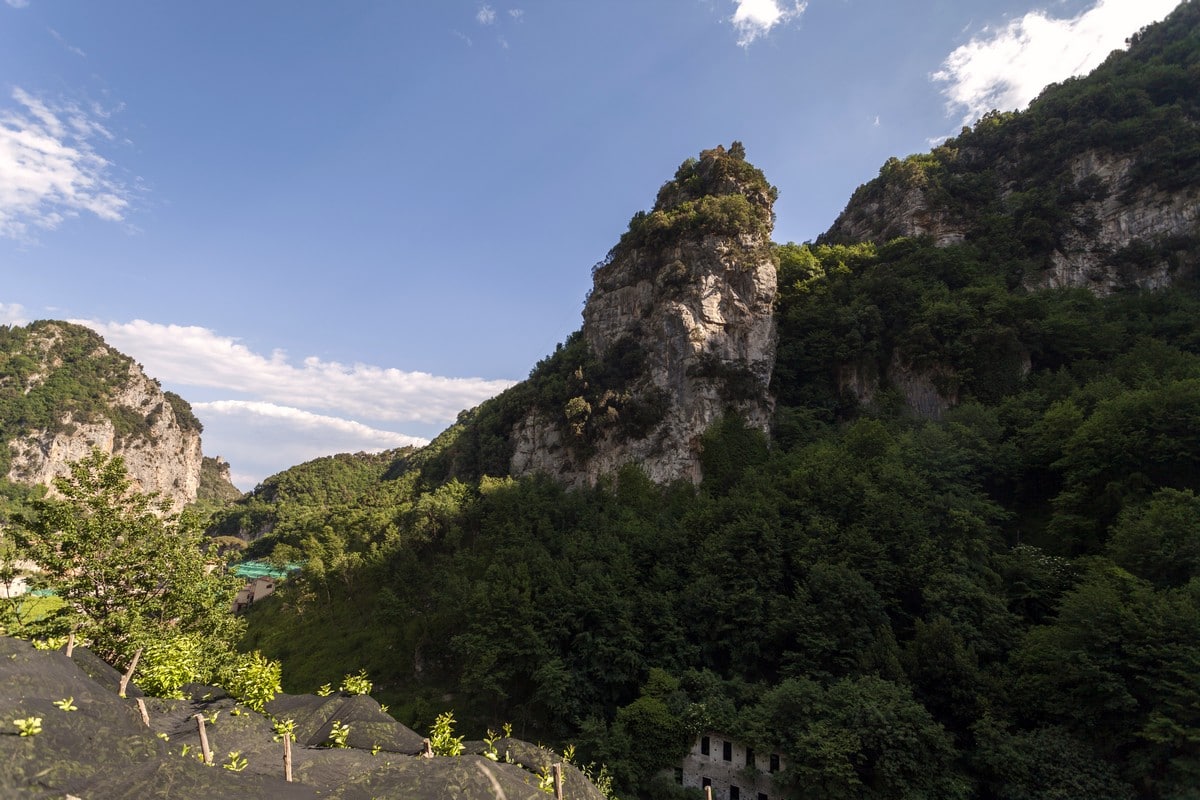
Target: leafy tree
(1160,541)
(128,569)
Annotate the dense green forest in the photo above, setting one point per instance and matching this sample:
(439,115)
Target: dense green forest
(996,596)
(996,600)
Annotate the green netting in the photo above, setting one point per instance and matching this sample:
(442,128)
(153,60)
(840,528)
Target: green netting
(264,569)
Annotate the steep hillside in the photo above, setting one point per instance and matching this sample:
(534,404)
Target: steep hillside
(678,331)
(964,564)
(64,391)
(293,497)
(1096,185)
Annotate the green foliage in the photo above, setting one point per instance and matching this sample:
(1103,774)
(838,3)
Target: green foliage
(357,684)
(720,194)
(184,415)
(235,761)
(29,726)
(169,663)
(338,734)
(284,727)
(1160,540)
(441,736)
(67,704)
(54,375)
(215,487)
(1009,183)
(253,679)
(965,565)
(129,571)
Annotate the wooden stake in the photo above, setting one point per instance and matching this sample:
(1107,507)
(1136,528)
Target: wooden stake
(203,739)
(287,757)
(142,708)
(558,782)
(71,643)
(129,672)
(707,793)
(428,752)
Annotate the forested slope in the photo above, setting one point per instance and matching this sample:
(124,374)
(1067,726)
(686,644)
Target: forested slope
(966,563)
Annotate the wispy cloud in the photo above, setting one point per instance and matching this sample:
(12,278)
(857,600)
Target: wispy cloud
(516,13)
(70,47)
(13,314)
(264,413)
(756,18)
(49,167)
(196,356)
(1005,68)
(486,15)
(17,3)
(259,439)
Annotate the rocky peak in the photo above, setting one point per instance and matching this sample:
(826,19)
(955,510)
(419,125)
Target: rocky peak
(63,391)
(686,295)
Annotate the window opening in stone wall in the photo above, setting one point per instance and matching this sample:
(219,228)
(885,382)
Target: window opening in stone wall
(749,756)
(774,762)
(703,745)
(727,751)
(735,793)
(762,796)
(679,775)
(704,782)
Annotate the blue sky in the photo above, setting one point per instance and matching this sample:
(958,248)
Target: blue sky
(333,225)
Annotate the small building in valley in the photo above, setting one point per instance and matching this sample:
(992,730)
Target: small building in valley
(257,589)
(733,770)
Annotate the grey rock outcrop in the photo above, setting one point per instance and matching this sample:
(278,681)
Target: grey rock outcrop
(1108,222)
(691,286)
(135,419)
(1113,235)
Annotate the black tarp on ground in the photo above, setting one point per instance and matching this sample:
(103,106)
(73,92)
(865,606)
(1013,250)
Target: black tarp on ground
(103,750)
(369,726)
(537,759)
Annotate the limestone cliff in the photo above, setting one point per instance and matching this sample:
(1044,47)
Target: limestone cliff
(1107,231)
(1095,185)
(64,391)
(686,297)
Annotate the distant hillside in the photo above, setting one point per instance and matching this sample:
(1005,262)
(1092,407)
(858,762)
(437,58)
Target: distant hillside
(64,391)
(216,487)
(963,560)
(308,489)
(1096,185)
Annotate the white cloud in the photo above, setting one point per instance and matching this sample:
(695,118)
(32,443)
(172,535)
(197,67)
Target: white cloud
(17,3)
(199,357)
(1006,68)
(72,48)
(49,168)
(486,15)
(266,413)
(755,18)
(516,13)
(13,314)
(300,418)
(259,439)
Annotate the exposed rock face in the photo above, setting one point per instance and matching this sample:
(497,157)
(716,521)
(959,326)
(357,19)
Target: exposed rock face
(1107,220)
(691,286)
(925,392)
(902,210)
(133,418)
(1106,223)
